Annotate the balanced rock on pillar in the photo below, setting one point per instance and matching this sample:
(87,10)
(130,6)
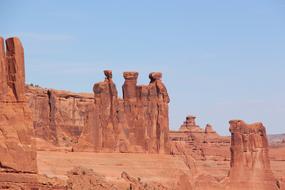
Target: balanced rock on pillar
(100,133)
(190,125)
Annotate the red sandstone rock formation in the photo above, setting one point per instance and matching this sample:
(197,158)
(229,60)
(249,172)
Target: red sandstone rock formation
(190,125)
(58,116)
(179,148)
(15,118)
(12,71)
(137,184)
(209,129)
(201,143)
(197,179)
(18,164)
(138,123)
(101,131)
(80,178)
(146,110)
(250,166)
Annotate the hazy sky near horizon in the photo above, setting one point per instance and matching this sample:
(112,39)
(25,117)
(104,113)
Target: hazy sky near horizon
(221,60)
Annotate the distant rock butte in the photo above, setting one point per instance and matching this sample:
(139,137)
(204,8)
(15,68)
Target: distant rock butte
(250,165)
(201,144)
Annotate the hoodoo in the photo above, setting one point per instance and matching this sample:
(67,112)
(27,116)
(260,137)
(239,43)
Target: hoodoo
(250,165)
(136,123)
(201,144)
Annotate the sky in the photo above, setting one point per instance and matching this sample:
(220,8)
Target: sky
(220,60)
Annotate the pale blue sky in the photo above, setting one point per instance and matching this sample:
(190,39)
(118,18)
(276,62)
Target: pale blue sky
(221,60)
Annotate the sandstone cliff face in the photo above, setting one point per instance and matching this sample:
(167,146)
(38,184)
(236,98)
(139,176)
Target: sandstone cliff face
(250,166)
(136,123)
(58,116)
(16,130)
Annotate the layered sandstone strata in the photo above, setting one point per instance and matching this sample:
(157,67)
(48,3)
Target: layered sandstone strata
(250,165)
(136,123)
(202,144)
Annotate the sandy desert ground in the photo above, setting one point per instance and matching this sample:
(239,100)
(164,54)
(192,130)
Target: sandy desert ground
(149,167)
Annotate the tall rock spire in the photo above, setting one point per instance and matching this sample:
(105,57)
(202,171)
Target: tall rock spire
(17,151)
(136,123)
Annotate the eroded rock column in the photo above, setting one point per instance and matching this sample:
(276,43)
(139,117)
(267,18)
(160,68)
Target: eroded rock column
(250,165)
(17,150)
(136,123)
(159,98)
(130,86)
(101,131)
(16,68)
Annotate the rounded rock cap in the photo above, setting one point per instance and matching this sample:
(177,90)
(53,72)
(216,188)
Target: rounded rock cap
(236,122)
(155,76)
(108,73)
(130,75)
(12,43)
(190,117)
